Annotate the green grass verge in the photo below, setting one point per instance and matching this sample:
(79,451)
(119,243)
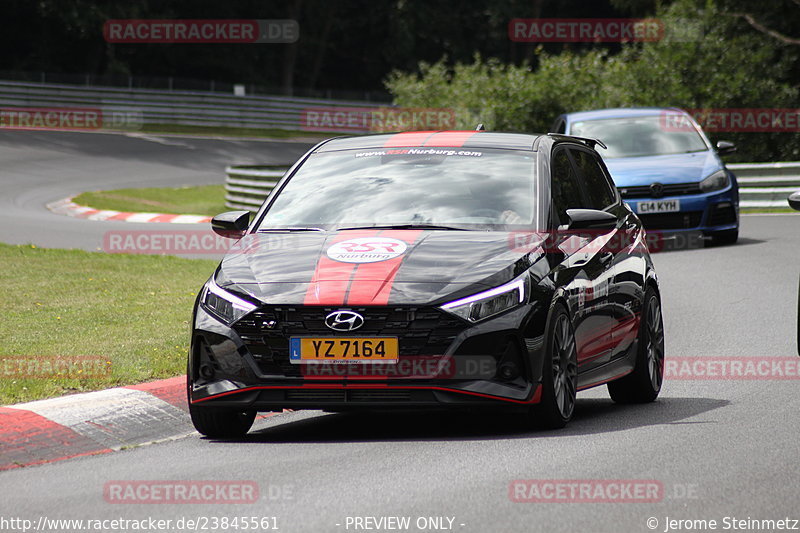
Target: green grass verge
(130,311)
(757,210)
(201,200)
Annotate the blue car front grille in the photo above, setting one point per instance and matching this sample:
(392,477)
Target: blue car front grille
(674,189)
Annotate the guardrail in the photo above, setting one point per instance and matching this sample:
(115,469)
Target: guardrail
(246,186)
(177,83)
(762,185)
(190,108)
(766,185)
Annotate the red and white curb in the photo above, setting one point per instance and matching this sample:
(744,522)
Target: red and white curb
(93,423)
(70,208)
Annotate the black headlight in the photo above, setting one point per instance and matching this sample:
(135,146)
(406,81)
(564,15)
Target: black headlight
(715,182)
(492,302)
(223,304)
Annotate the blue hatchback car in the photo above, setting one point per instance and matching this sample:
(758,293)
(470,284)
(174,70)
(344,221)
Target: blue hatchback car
(665,168)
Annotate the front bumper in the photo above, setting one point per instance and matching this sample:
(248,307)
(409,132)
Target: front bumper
(709,213)
(443,362)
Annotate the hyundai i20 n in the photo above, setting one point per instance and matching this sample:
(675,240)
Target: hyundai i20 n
(429,270)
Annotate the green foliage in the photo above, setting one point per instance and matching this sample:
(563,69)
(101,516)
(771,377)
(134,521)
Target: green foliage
(706,60)
(485,91)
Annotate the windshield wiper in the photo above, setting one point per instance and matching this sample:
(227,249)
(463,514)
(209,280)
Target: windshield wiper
(405,226)
(279,230)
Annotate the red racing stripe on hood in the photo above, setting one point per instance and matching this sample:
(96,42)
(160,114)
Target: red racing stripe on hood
(332,278)
(373,282)
(454,139)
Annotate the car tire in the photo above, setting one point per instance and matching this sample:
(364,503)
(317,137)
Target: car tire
(644,383)
(722,238)
(219,423)
(559,374)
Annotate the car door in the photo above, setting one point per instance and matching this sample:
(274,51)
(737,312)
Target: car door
(583,263)
(621,282)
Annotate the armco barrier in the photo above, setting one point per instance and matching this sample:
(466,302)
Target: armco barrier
(189,108)
(766,184)
(246,186)
(762,185)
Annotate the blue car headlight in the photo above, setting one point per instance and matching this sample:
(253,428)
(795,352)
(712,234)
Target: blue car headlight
(224,305)
(715,182)
(489,303)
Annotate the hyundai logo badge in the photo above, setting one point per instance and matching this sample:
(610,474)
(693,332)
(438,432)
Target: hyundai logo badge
(344,321)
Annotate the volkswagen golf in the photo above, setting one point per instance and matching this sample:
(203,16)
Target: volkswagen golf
(665,168)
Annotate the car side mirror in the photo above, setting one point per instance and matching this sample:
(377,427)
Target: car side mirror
(794,200)
(590,219)
(232,224)
(725,147)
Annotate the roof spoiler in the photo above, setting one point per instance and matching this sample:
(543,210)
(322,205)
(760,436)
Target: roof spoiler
(586,140)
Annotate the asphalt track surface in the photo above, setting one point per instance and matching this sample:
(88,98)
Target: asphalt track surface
(37,168)
(719,448)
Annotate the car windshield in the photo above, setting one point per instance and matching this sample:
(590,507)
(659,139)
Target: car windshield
(447,187)
(642,136)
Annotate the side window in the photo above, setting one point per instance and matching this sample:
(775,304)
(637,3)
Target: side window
(566,191)
(599,190)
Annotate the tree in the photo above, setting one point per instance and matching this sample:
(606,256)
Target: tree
(722,68)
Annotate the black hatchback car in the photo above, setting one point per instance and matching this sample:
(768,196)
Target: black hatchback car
(429,270)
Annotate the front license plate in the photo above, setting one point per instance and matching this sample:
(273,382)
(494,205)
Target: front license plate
(659,206)
(343,350)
